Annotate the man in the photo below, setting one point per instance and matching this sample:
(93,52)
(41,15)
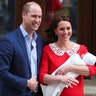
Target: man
(20,53)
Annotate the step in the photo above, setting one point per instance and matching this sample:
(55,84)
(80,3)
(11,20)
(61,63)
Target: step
(90,87)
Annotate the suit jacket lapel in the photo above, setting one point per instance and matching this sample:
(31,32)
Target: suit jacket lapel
(39,49)
(21,41)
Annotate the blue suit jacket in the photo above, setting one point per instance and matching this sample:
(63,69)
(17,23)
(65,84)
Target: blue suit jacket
(14,64)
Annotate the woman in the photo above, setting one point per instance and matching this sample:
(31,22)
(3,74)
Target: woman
(58,51)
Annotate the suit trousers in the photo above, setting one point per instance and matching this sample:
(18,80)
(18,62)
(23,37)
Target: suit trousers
(35,94)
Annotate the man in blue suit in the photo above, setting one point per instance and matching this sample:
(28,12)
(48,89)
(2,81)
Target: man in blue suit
(20,53)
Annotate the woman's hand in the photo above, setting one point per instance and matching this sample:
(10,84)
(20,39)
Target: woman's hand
(64,70)
(68,80)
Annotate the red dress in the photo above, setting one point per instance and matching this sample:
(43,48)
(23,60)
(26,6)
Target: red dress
(52,6)
(50,61)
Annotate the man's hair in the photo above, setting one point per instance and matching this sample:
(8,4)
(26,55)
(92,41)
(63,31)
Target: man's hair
(27,5)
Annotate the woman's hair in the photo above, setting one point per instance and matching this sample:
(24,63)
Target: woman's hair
(51,36)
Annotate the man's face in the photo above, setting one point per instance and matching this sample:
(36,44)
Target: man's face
(32,19)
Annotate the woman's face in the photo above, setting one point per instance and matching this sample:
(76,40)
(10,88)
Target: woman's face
(63,30)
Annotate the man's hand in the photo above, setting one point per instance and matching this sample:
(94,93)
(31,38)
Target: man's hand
(32,84)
